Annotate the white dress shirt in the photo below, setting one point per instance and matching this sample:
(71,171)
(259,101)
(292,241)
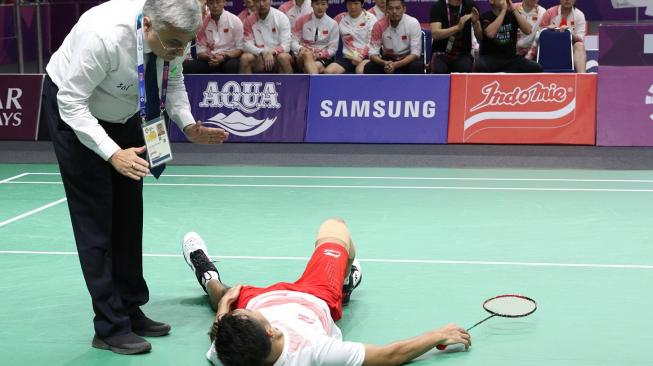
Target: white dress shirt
(397,42)
(95,70)
(316,34)
(271,34)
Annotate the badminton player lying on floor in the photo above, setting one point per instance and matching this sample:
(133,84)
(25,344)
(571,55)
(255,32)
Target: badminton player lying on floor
(293,323)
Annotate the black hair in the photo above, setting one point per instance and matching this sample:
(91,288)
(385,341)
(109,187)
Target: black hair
(241,341)
(352,1)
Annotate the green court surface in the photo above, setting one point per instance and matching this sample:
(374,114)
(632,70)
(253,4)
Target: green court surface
(433,243)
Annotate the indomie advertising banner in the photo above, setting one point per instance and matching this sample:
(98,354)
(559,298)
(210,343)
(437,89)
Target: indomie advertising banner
(523,109)
(20,106)
(253,108)
(378,109)
(625,106)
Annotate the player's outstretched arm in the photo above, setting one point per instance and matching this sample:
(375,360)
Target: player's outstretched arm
(400,352)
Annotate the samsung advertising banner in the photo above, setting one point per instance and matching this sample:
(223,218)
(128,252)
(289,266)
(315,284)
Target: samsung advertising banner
(625,106)
(523,109)
(411,109)
(252,108)
(20,106)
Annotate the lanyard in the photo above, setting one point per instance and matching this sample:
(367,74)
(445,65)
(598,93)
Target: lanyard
(141,70)
(460,11)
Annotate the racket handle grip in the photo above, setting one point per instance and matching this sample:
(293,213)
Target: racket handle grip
(441,347)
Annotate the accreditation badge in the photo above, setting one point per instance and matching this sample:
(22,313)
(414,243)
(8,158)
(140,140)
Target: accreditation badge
(157,141)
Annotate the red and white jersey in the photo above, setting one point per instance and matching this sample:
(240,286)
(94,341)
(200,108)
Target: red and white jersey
(534,17)
(397,42)
(295,12)
(378,13)
(269,34)
(355,33)
(575,22)
(218,37)
(244,14)
(316,34)
(311,337)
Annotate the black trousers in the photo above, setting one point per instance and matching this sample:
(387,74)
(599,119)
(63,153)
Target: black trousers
(515,64)
(106,210)
(415,67)
(231,66)
(445,64)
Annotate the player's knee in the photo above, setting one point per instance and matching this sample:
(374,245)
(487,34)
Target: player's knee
(334,230)
(246,59)
(284,58)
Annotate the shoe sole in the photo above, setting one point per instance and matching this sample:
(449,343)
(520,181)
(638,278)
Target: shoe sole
(159,333)
(187,255)
(100,344)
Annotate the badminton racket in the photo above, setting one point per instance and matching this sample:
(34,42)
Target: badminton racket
(505,306)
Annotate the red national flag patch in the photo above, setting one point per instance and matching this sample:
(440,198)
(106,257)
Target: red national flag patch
(325,32)
(404,37)
(274,30)
(226,30)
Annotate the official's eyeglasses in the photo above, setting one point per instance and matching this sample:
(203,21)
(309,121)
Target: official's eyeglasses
(171,50)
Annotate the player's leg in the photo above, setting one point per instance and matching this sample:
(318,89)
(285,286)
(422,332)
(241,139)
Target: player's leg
(247,61)
(580,57)
(284,63)
(336,231)
(197,257)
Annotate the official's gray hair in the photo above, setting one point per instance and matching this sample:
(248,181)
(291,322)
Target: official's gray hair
(184,15)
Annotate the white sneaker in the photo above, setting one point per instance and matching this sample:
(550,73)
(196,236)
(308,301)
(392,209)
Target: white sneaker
(352,281)
(197,257)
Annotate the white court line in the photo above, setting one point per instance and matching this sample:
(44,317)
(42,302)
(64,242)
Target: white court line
(375,187)
(397,178)
(14,177)
(371,260)
(32,212)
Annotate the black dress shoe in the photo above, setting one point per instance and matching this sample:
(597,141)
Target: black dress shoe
(125,344)
(146,327)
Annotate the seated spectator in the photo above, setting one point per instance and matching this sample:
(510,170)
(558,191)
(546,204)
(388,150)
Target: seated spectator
(218,42)
(378,10)
(315,39)
(451,27)
(533,13)
(355,30)
(499,44)
(295,9)
(249,10)
(266,41)
(567,17)
(396,43)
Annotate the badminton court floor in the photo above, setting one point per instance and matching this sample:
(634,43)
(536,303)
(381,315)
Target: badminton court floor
(433,244)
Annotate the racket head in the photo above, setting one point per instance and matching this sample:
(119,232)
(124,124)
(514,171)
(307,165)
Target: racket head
(510,306)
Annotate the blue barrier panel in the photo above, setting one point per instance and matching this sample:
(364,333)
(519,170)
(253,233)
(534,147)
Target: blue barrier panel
(378,109)
(252,108)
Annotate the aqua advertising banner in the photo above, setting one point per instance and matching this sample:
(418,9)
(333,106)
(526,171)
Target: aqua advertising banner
(378,109)
(252,108)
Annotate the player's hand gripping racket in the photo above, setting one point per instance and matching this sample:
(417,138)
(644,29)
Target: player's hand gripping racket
(507,306)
